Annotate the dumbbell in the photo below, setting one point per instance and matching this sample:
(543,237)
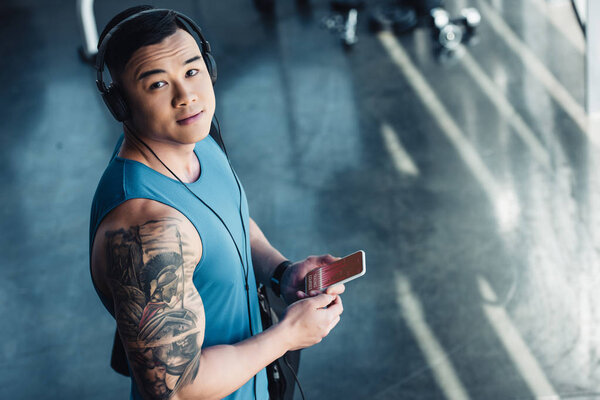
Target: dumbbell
(449,33)
(470,20)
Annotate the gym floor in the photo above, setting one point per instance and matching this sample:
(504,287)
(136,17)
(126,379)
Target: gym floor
(471,184)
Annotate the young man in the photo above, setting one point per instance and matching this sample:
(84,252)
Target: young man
(169,255)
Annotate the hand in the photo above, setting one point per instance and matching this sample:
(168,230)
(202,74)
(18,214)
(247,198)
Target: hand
(309,320)
(292,281)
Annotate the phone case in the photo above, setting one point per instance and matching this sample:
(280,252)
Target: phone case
(341,271)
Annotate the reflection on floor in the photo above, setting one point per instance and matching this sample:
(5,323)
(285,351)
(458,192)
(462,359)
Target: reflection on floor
(472,185)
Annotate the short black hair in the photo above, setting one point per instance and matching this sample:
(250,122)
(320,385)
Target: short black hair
(144,30)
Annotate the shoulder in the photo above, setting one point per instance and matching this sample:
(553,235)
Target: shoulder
(138,212)
(146,226)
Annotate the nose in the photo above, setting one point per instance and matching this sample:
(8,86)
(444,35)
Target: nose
(184,95)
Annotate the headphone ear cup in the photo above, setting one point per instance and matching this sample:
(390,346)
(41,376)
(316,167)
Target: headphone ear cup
(116,103)
(211,64)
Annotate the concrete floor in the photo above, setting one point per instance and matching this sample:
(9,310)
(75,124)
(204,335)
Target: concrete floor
(472,186)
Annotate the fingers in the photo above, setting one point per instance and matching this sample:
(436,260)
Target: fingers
(332,290)
(322,300)
(333,323)
(327,259)
(336,289)
(313,293)
(319,261)
(336,307)
(301,295)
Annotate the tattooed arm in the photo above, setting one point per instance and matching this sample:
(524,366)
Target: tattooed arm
(144,255)
(160,316)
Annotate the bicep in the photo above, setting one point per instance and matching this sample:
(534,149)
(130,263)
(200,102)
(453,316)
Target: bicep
(159,313)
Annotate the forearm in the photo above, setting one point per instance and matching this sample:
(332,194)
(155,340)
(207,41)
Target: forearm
(265,257)
(225,368)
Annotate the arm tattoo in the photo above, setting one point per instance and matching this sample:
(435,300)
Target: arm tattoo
(154,314)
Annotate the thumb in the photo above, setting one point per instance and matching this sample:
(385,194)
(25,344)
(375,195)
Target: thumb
(322,300)
(328,259)
(301,295)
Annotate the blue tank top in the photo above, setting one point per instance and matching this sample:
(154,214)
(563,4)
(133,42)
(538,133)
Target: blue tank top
(218,277)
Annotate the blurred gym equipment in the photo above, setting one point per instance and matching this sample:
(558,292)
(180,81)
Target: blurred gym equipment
(89,32)
(447,32)
(344,20)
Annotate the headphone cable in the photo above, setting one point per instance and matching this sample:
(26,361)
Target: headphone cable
(287,363)
(580,22)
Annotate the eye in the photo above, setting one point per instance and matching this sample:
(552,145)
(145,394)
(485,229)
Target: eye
(192,72)
(157,85)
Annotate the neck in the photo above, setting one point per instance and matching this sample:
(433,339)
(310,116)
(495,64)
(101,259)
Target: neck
(179,158)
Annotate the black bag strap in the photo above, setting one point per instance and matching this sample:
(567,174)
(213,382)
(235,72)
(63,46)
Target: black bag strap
(118,359)
(275,376)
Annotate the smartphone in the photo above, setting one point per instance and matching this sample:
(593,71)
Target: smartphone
(340,271)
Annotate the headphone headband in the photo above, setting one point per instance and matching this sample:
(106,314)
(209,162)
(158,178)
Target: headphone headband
(102,47)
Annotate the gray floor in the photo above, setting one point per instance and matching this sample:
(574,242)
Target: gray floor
(482,237)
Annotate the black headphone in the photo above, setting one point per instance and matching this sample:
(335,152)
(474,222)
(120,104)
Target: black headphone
(113,98)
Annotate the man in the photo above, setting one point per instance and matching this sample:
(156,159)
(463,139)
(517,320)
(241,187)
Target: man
(169,255)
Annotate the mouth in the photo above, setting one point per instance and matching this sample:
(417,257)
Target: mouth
(190,119)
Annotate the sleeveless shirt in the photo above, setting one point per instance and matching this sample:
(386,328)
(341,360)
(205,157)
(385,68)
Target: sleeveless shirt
(219,275)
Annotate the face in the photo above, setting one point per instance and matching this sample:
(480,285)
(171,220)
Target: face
(154,374)
(169,90)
